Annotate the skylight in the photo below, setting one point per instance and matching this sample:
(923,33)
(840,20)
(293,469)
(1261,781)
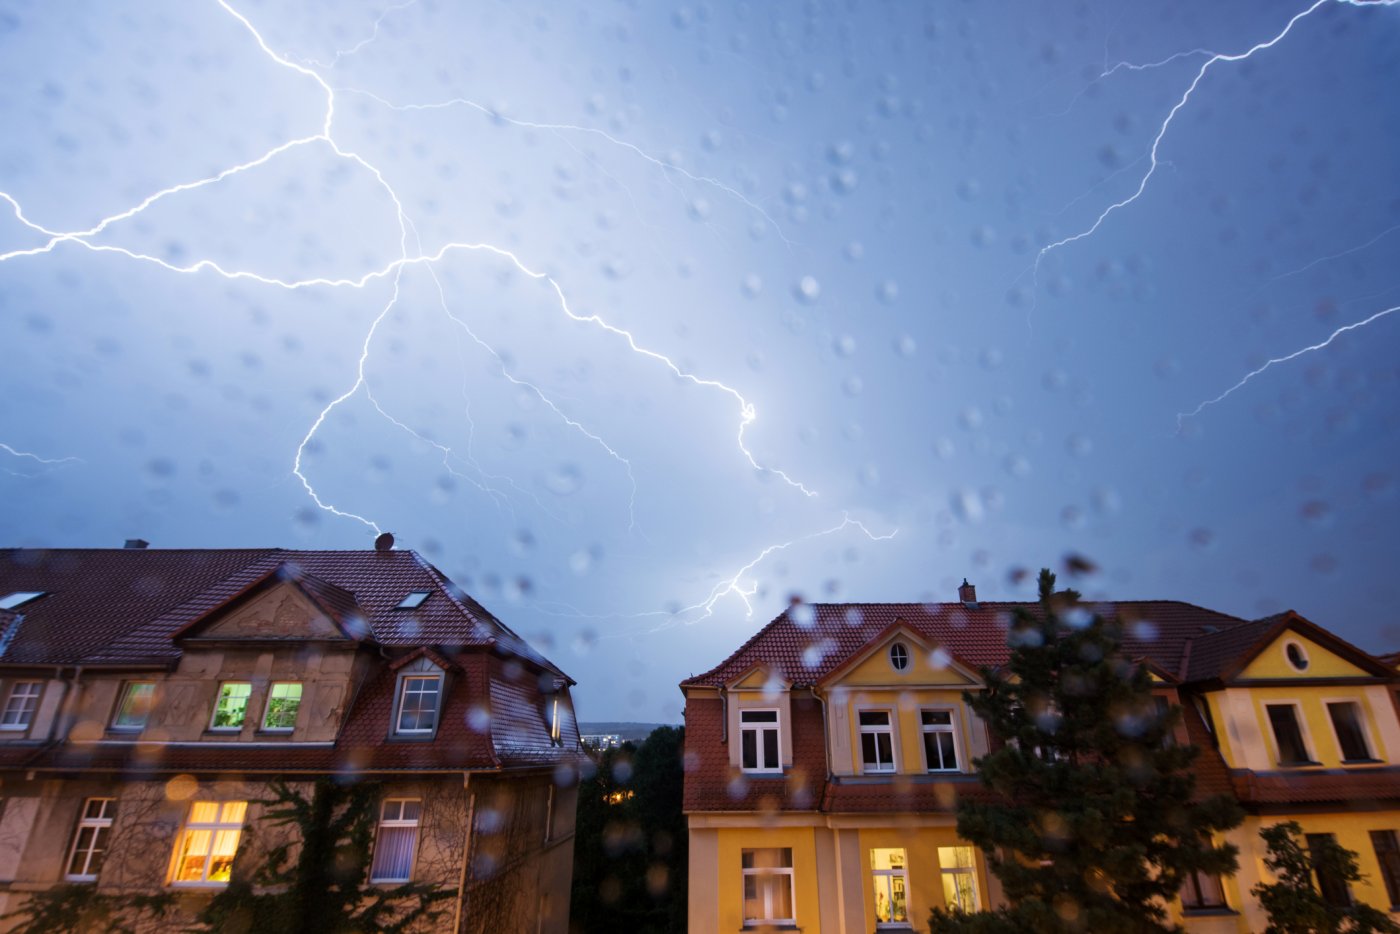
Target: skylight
(19,598)
(413,601)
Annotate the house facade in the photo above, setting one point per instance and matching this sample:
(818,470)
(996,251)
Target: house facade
(150,699)
(827,755)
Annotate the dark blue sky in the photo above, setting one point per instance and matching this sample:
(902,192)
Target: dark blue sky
(521,299)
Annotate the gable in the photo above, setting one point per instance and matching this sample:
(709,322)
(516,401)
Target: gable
(927,666)
(1272,661)
(280,612)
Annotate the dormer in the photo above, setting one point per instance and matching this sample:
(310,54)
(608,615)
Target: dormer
(759,722)
(421,683)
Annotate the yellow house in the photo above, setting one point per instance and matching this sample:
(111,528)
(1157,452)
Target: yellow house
(825,759)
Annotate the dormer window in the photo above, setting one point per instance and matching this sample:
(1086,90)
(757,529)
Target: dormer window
(414,600)
(419,698)
(135,705)
(758,741)
(899,656)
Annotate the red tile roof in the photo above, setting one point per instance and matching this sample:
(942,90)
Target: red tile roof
(1356,788)
(806,642)
(122,608)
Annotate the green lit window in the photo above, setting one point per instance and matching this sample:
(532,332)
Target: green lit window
(232,705)
(283,700)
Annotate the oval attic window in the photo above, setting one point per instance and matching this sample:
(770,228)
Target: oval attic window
(1296,656)
(899,656)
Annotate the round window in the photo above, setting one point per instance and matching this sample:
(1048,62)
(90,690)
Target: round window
(899,656)
(1296,657)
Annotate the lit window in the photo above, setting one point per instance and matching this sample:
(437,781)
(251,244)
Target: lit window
(555,727)
(418,703)
(891,887)
(232,705)
(20,705)
(1387,849)
(1330,884)
(876,741)
(90,839)
(413,601)
(135,705)
(1288,735)
(768,886)
(940,749)
(899,656)
(397,840)
(1351,737)
(959,869)
(19,598)
(283,700)
(204,853)
(758,741)
(1202,891)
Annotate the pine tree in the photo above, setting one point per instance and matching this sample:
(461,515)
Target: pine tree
(1294,905)
(1093,823)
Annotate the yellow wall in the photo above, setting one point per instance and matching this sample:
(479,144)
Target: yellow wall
(1273,661)
(730,884)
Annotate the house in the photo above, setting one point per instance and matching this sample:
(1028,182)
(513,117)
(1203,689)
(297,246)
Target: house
(149,698)
(827,755)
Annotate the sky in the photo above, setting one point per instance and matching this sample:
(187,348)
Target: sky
(641,320)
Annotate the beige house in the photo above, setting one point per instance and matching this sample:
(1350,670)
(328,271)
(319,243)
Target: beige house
(148,698)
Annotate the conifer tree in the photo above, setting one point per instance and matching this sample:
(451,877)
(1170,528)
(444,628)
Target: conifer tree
(1294,905)
(1093,823)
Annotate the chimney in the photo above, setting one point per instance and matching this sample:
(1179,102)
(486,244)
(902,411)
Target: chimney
(136,543)
(385,542)
(967,593)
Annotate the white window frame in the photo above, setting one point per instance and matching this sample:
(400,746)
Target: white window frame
(27,710)
(759,728)
(267,707)
(889,876)
(905,654)
(127,688)
(218,698)
(862,729)
(969,871)
(399,822)
(106,812)
(215,827)
(761,871)
(402,693)
(1361,722)
(951,728)
(1310,747)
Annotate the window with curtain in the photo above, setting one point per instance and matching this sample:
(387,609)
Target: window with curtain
(1351,735)
(1288,736)
(1387,849)
(958,867)
(768,885)
(135,705)
(1333,888)
(204,853)
(397,840)
(418,703)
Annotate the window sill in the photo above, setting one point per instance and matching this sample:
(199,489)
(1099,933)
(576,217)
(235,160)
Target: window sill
(274,734)
(765,926)
(1363,762)
(1302,764)
(1207,912)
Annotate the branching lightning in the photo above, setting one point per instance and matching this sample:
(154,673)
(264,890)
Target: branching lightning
(1182,416)
(359,46)
(395,269)
(1215,58)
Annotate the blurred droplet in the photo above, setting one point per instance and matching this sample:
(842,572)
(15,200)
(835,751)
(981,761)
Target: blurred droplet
(807,290)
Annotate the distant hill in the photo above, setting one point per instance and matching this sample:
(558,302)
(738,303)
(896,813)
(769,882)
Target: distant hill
(636,732)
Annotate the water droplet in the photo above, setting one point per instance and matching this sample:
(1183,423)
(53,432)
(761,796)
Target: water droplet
(905,346)
(565,480)
(752,284)
(807,290)
(845,345)
(888,292)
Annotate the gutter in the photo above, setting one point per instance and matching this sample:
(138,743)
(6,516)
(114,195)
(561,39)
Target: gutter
(466,854)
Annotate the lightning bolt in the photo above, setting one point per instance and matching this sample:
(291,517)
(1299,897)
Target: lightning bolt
(1182,416)
(747,411)
(357,47)
(49,462)
(1214,59)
